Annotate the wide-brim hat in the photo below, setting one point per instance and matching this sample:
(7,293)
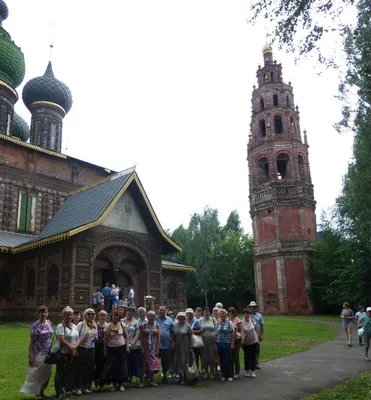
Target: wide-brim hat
(189,310)
(181,314)
(252,304)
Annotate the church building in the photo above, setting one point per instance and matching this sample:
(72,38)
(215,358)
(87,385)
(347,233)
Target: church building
(68,226)
(282,205)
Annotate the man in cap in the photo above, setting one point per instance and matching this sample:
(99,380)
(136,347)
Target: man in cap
(259,323)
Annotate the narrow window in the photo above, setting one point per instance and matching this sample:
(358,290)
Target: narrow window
(8,124)
(272,302)
(26,212)
(263,129)
(5,284)
(275,100)
(287,101)
(272,76)
(261,104)
(283,166)
(301,168)
(278,124)
(53,281)
(53,135)
(37,132)
(172,292)
(30,283)
(263,170)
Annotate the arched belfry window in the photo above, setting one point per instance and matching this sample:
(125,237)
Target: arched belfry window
(53,280)
(263,129)
(263,170)
(30,282)
(261,104)
(172,291)
(275,100)
(301,168)
(5,284)
(272,302)
(283,166)
(272,76)
(278,128)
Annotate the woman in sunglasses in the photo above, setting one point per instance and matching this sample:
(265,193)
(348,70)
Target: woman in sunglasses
(88,334)
(40,345)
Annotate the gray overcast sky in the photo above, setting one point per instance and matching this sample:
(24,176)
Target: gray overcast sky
(167,85)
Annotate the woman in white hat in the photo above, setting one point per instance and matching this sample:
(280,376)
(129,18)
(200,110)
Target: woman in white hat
(183,345)
(197,330)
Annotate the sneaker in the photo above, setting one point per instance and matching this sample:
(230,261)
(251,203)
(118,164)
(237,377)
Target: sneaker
(235,376)
(169,375)
(222,379)
(78,392)
(141,385)
(153,384)
(253,374)
(247,373)
(87,391)
(112,388)
(122,389)
(230,379)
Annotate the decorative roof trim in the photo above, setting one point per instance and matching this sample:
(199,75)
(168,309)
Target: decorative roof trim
(151,210)
(49,103)
(32,146)
(174,268)
(38,243)
(4,249)
(2,83)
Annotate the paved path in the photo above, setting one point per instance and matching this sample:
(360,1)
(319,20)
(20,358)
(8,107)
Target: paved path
(288,378)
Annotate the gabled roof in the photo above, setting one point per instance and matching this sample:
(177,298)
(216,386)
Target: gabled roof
(88,207)
(13,239)
(177,267)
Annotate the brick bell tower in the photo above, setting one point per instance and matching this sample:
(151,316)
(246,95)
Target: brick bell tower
(282,205)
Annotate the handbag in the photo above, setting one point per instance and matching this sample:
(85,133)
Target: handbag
(191,373)
(197,341)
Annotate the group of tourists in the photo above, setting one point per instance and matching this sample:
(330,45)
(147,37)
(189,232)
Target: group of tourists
(109,298)
(363,320)
(200,342)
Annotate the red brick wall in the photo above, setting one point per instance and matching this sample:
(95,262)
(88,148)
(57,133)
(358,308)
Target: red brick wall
(295,285)
(309,224)
(269,281)
(267,227)
(289,221)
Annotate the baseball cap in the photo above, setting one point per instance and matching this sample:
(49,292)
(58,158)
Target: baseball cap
(189,310)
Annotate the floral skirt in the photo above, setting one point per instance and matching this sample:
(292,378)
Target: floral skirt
(37,376)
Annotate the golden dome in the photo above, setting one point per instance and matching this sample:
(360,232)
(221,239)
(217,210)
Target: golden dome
(267,48)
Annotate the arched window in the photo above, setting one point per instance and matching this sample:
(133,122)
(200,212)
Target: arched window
(263,129)
(275,100)
(278,124)
(301,168)
(272,76)
(53,280)
(272,302)
(283,170)
(172,291)
(263,170)
(287,101)
(261,104)
(5,284)
(30,282)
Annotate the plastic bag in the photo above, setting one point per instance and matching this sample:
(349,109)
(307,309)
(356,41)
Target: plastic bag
(191,373)
(361,331)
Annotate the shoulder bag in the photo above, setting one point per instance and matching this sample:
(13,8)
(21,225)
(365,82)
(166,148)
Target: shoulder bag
(54,356)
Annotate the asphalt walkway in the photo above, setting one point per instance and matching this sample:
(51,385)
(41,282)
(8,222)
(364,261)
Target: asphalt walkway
(287,378)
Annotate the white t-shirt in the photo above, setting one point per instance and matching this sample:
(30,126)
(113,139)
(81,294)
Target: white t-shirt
(90,341)
(131,294)
(71,336)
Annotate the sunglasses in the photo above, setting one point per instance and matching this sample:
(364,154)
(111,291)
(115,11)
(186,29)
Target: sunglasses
(90,314)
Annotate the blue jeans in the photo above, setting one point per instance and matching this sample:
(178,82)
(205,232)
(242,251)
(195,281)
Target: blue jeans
(106,304)
(225,357)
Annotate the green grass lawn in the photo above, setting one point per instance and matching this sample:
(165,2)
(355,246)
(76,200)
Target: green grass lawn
(331,318)
(282,338)
(355,389)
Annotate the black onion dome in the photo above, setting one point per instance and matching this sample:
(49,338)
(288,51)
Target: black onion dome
(4,12)
(47,88)
(20,128)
